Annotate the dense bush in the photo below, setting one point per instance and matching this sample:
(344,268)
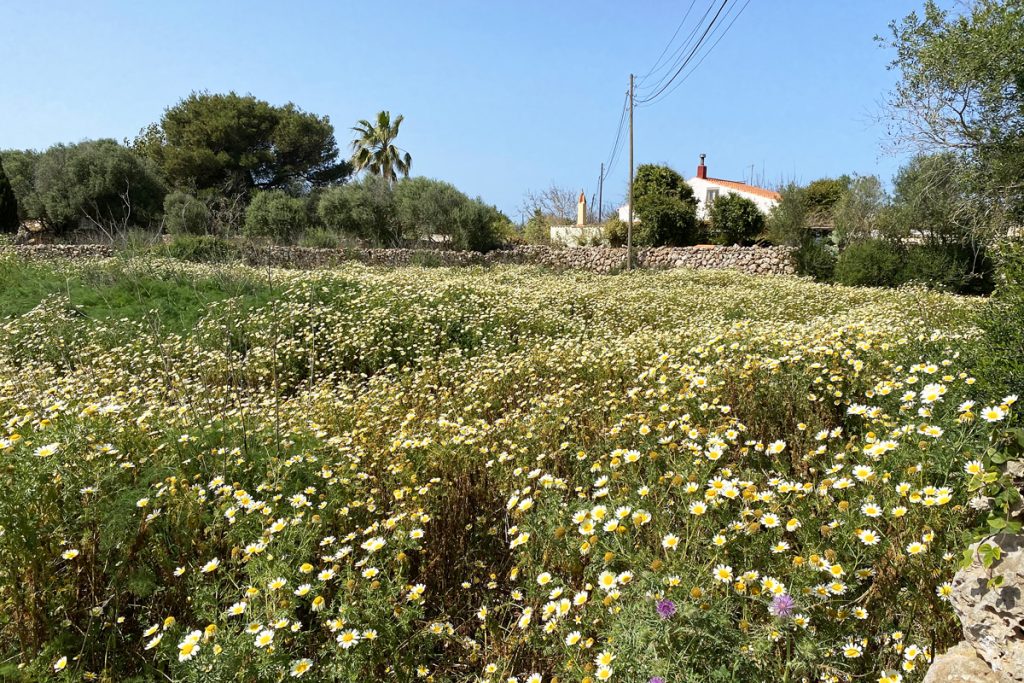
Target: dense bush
(365,210)
(538,228)
(665,208)
(1002,319)
(735,220)
(185,215)
(201,248)
(8,204)
(277,216)
(99,181)
(816,258)
(664,221)
(872,262)
(429,209)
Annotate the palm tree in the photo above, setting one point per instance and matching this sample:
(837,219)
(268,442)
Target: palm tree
(374,147)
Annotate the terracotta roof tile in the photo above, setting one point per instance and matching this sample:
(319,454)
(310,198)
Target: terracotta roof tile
(743,187)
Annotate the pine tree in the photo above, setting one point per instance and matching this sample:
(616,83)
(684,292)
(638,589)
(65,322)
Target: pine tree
(8,204)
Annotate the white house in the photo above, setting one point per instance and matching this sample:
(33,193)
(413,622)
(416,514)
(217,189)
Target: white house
(706,190)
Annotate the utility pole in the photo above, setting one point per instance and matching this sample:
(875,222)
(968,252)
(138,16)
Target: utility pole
(629,227)
(600,192)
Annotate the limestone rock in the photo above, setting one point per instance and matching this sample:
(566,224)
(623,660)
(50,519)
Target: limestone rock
(993,618)
(961,664)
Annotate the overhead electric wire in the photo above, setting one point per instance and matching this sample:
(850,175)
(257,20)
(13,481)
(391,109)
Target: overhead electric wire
(657,64)
(689,57)
(704,56)
(616,146)
(673,61)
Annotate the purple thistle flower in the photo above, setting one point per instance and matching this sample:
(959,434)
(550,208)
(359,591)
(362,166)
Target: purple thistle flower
(666,608)
(656,679)
(782,606)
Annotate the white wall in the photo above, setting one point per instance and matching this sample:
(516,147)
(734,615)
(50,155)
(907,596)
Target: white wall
(576,235)
(700,191)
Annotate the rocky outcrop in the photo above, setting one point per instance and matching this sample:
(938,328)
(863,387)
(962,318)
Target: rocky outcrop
(755,260)
(992,617)
(961,664)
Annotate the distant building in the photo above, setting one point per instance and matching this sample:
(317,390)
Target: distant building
(706,190)
(580,234)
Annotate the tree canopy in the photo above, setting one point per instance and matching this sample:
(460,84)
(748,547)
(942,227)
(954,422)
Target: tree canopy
(665,206)
(234,143)
(99,181)
(374,149)
(735,220)
(8,204)
(961,90)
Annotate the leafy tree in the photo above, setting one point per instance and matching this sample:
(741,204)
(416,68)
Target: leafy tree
(374,147)
(184,214)
(98,181)
(662,181)
(233,143)
(665,206)
(822,196)
(20,168)
(788,221)
(665,221)
(735,220)
(857,213)
(427,207)
(932,201)
(8,204)
(275,215)
(365,210)
(960,90)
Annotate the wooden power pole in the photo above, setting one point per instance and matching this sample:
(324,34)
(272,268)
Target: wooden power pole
(629,227)
(600,192)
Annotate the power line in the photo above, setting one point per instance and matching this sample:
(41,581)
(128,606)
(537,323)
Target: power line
(673,62)
(616,146)
(704,56)
(668,44)
(686,61)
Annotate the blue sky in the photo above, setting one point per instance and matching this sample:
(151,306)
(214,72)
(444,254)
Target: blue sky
(499,97)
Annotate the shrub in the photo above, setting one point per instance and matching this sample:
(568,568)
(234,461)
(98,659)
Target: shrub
(185,215)
(735,220)
(615,231)
(276,216)
(98,180)
(872,263)
(665,221)
(365,210)
(938,267)
(426,208)
(1001,361)
(817,259)
(321,238)
(538,229)
(201,248)
(8,204)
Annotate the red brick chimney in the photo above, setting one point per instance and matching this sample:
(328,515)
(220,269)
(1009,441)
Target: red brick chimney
(702,170)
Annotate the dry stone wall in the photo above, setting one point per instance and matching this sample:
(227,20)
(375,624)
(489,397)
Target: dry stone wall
(755,260)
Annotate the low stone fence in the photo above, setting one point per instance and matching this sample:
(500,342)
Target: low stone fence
(755,260)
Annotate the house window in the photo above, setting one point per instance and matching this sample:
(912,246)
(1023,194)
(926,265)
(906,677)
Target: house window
(711,196)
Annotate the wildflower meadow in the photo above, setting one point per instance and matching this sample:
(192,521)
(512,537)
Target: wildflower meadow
(221,473)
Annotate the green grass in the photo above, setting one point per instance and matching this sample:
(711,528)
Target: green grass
(110,290)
